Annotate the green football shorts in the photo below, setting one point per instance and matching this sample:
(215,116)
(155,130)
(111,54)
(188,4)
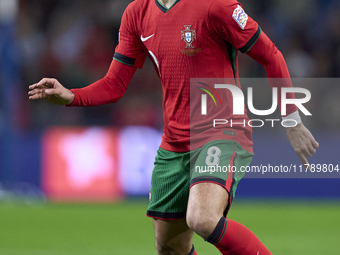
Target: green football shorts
(174,173)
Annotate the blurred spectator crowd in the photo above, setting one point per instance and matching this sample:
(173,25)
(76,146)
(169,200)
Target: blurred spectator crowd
(74,41)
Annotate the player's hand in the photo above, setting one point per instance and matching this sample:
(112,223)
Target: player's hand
(52,91)
(302,142)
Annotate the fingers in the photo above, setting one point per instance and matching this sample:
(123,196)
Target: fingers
(42,89)
(308,151)
(315,144)
(37,94)
(311,150)
(33,86)
(44,83)
(303,143)
(312,146)
(304,160)
(48,82)
(51,92)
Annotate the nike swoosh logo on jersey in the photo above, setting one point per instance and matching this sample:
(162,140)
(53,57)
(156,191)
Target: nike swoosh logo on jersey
(146,38)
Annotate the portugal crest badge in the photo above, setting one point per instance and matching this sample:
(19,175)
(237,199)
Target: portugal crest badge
(189,36)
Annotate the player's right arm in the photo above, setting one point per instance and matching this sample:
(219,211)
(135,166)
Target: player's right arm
(106,90)
(129,55)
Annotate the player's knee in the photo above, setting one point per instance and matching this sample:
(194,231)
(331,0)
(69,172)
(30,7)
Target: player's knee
(163,248)
(202,224)
(169,247)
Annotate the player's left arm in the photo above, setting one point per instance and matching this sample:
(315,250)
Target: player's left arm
(266,53)
(230,21)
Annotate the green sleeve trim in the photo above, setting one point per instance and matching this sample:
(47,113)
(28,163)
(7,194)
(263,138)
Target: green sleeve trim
(122,62)
(252,41)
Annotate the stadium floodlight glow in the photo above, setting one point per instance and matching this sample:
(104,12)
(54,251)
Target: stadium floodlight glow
(238,100)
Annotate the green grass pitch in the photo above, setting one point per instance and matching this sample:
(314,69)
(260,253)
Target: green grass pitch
(286,227)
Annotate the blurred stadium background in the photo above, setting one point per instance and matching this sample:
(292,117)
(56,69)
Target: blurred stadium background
(103,156)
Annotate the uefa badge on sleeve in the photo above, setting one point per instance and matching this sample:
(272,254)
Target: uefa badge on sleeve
(240,16)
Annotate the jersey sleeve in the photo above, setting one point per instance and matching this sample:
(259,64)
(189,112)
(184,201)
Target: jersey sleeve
(267,54)
(129,50)
(106,90)
(232,23)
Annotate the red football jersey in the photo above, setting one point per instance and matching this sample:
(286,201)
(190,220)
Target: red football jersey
(192,39)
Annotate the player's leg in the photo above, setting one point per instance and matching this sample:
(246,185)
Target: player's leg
(173,237)
(207,202)
(169,195)
(211,195)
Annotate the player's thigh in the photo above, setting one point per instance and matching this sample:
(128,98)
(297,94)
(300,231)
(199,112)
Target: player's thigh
(173,236)
(206,205)
(219,162)
(215,174)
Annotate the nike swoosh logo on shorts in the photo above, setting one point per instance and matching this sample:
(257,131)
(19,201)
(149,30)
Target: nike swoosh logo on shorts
(146,38)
